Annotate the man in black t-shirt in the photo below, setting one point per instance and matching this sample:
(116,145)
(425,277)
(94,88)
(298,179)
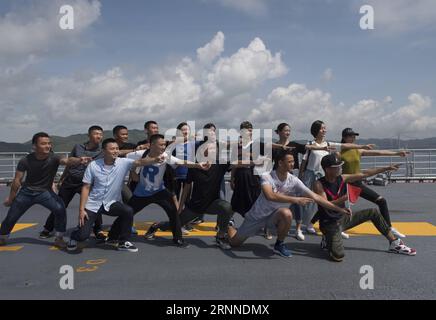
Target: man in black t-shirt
(121,135)
(72,182)
(150,128)
(41,168)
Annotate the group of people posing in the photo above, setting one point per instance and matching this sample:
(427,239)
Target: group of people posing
(161,172)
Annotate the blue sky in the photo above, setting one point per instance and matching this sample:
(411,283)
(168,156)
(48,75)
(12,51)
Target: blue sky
(391,67)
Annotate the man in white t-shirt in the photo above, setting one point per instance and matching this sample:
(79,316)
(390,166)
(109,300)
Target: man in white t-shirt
(151,188)
(279,189)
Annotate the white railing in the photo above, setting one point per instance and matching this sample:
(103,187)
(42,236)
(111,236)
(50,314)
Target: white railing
(9,162)
(420,164)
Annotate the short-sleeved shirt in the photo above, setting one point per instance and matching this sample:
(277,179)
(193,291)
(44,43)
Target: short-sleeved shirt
(151,178)
(298,148)
(40,174)
(207,186)
(106,182)
(351,160)
(263,207)
(81,150)
(315,156)
(333,191)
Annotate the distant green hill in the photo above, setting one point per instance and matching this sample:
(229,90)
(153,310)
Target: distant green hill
(67,143)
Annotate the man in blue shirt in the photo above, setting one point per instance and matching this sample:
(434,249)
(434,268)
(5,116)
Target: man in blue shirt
(101,194)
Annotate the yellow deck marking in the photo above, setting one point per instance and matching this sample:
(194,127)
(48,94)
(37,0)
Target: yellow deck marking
(422,229)
(10,248)
(18,227)
(22,226)
(206,229)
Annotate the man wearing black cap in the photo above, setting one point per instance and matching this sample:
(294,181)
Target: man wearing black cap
(351,165)
(333,187)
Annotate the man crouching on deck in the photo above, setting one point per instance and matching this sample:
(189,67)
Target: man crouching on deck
(279,189)
(333,188)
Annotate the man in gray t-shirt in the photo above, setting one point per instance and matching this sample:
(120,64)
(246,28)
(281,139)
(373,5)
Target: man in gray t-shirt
(71,181)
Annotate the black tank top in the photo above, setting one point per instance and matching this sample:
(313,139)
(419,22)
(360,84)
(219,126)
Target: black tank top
(333,191)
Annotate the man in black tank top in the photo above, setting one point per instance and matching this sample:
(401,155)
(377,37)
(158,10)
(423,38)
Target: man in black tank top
(333,187)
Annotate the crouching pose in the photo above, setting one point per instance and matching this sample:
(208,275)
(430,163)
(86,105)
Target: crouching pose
(279,189)
(333,187)
(101,194)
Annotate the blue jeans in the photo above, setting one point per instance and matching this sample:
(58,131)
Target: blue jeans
(25,199)
(297,212)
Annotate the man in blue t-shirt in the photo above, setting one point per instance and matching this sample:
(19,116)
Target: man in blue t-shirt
(151,187)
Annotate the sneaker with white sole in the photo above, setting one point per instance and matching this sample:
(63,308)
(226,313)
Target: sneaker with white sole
(185,232)
(127,246)
(398,246)
(299,235)
(397,233)
(310,229)
(72,245)
(345,235)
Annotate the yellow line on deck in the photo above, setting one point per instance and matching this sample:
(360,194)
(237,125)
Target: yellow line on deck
(22,226)
(10,248)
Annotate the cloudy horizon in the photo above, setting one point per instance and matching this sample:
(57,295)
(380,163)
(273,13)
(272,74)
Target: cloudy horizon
(218,61)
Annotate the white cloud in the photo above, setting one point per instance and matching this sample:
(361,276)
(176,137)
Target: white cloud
(398,16)
(192,89)
(300,106)
(210,86)
(34,28)
(211,50)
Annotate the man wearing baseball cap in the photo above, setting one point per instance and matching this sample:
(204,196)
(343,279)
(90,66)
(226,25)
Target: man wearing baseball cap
(333,187)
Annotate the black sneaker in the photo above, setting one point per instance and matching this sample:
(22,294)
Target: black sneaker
(127,246)
(197,221)
(188,227)
(181,243)
(150,234)
(45,234)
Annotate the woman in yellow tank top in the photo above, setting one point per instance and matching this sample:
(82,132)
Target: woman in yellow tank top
(351,165)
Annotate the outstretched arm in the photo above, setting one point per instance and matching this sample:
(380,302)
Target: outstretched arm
(369,173)
(384,153)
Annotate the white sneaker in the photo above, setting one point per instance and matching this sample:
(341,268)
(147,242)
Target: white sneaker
(397,233)
(310,229)
(398,246)
(185,232)
(299,235)
(345,235)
